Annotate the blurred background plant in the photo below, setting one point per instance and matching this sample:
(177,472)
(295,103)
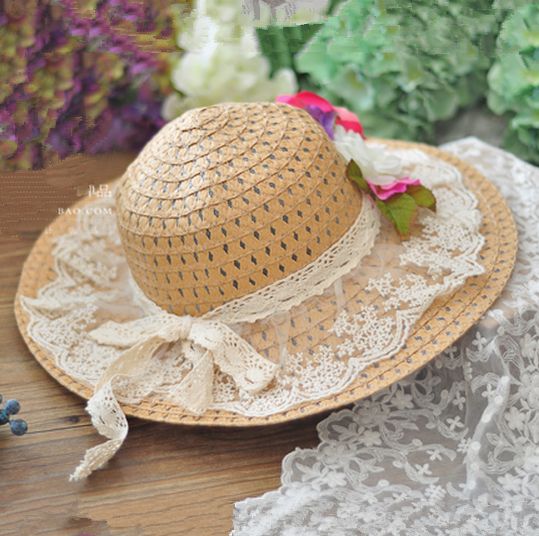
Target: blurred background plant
(514,81)
(97,75)
(222,60)
(80,75)
(401,66)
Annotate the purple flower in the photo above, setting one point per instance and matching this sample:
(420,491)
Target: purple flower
(326,119)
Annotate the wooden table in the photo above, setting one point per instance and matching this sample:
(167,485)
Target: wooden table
(166,480)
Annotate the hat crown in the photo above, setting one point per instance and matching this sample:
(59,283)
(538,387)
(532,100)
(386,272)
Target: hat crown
(228,199)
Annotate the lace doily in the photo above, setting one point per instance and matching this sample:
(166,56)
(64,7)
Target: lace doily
(365,316)
(452,450)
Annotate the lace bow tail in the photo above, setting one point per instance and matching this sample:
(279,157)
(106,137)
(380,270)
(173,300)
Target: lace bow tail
(204,344)
(107,416)
(110,421)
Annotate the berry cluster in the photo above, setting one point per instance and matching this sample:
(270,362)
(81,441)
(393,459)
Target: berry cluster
(12,407)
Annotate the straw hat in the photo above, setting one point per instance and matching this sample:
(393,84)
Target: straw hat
(238,277)
(229,199)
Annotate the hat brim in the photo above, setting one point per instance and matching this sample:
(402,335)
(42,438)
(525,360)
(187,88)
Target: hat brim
(447,318)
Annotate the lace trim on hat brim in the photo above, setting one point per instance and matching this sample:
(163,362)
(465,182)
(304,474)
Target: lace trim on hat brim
(368,312)
(92,287)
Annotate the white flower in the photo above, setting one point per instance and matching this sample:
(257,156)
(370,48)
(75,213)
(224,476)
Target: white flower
(515,419)
(434,454)
(402,400)
(423,469)
(224,10)
(377,165)
(332,478)
(479,341)
(489,392)
(459,400)
(454,423)
(370,438)
(222,62)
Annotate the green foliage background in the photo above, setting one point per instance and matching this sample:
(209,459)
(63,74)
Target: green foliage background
(404,66)
(514,81)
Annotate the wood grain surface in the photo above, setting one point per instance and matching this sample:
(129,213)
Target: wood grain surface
(166,480)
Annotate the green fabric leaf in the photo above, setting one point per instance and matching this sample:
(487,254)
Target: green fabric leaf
(422,196)
(401,210)
(354,173)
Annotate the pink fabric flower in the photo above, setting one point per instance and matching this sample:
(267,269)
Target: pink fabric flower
(400,186)
(304,99)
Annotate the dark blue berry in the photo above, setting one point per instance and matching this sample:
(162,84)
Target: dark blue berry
(12,407)
(4,417)
(18,426)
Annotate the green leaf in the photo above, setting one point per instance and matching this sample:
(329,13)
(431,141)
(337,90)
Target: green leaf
(422,196)
(401,210)
(354,173)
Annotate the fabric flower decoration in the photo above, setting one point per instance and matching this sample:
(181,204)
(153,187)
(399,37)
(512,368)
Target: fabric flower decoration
(380,176)
(377,173)
(378,167)
(398,186)
(399,201)
(326,119)
(317,106)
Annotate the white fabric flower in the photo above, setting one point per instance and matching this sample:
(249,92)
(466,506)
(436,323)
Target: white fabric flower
(377,165)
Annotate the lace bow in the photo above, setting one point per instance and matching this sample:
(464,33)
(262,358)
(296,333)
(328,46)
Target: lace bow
(203,343)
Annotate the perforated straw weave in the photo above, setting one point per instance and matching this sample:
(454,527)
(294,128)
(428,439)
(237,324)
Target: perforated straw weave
(228,199)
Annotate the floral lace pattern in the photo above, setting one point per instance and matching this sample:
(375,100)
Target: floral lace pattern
(94,289)
(452,450)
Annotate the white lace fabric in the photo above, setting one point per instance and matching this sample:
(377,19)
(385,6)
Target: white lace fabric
(452,450)
(91,317)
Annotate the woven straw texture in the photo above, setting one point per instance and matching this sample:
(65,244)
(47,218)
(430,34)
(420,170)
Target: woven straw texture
(446,320)
(226,200)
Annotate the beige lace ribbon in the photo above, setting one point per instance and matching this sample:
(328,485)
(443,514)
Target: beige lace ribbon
(208,341)
(203,343)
